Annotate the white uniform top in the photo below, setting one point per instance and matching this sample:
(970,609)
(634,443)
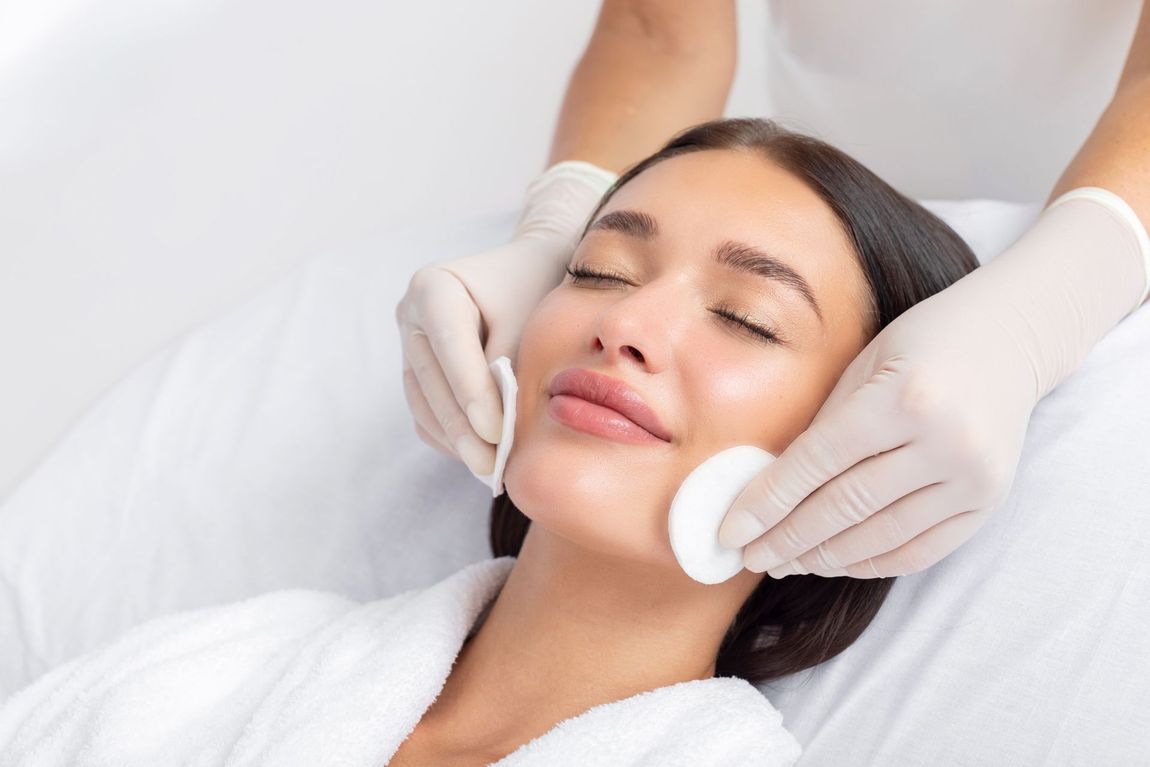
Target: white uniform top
(949,100)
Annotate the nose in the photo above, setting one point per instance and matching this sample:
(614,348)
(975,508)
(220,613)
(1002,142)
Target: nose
(642,325)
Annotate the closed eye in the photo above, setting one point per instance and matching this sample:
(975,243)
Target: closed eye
(581,274)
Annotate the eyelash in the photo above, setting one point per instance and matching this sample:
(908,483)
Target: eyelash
(580,273)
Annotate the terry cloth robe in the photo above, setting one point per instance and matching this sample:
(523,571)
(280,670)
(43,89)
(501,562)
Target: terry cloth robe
(305,677)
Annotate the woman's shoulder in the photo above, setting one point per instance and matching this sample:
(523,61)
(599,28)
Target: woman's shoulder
(178,668)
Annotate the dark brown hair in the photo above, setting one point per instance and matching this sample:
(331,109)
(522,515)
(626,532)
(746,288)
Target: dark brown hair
(907,254)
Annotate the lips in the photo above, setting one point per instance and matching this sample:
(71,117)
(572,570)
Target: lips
(610,393)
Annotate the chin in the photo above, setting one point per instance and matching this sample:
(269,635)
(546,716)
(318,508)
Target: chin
(582,504)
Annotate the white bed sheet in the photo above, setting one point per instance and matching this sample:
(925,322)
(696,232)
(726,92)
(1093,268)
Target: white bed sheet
(272,448)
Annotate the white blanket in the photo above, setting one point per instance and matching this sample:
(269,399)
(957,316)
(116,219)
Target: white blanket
(305,677)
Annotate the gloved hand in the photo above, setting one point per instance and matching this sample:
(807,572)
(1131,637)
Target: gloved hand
(920,439)
(459,315)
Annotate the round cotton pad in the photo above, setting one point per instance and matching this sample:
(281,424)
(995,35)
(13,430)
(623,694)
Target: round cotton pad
(699,507)
(509,388)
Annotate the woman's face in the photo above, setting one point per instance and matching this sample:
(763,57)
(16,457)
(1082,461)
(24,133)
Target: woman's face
(711,382)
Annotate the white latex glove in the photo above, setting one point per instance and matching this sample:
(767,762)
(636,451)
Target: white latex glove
(920,439)
(459,315)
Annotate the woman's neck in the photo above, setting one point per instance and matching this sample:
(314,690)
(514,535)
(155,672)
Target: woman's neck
(571,629)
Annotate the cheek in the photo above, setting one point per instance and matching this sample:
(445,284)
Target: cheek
(766,400)
(550,333)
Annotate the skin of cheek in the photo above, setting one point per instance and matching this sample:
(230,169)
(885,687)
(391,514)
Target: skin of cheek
(614,497)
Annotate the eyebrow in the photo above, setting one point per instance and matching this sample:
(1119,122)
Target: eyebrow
(736,255)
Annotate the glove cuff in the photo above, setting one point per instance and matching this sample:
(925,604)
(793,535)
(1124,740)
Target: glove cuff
(560,200)
(1125,214)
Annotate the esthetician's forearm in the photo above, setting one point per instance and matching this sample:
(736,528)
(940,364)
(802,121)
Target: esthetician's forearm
(650,69)
(1116,155)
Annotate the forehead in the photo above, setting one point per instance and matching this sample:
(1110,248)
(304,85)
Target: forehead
(736,195)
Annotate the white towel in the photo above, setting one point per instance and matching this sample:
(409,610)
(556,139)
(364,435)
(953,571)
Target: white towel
(302,677)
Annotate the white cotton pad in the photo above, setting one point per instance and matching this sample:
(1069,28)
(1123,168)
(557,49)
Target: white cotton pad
(699,507)
(509,388)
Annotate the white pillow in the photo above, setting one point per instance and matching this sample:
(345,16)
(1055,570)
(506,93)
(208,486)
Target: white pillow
(273,448)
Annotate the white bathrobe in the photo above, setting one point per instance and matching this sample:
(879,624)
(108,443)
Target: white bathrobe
(302,677)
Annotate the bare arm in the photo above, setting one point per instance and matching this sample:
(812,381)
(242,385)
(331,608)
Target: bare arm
(1116,155)
(651,68)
